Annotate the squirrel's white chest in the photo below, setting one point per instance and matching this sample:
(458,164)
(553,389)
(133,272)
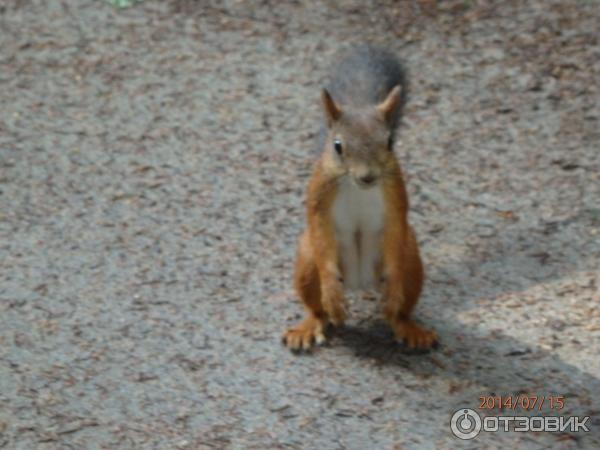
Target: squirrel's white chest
(358,215)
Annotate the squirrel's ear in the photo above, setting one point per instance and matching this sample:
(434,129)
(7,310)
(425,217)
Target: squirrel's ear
(391,103)
(332,110)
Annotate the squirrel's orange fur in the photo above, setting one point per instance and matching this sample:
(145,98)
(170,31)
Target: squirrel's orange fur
(357,148)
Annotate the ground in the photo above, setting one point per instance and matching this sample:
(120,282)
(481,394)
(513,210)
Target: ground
(152,167)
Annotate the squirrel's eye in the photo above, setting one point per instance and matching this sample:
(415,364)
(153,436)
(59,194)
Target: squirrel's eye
(337,145)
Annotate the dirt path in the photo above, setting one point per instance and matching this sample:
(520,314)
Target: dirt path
(152,166)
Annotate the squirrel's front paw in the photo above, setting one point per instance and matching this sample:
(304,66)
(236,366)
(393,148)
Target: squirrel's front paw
(415,336)
(336,311)
(304,335)
(334,304)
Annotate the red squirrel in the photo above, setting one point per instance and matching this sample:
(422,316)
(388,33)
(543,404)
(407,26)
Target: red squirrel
(358,235)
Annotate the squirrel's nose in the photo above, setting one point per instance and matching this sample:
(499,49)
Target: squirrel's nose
(367,179)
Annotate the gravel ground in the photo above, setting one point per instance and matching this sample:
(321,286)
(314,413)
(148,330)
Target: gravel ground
(152,167)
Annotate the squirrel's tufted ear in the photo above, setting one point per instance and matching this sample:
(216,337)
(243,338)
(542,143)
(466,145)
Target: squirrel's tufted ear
(332,110)
(388,107)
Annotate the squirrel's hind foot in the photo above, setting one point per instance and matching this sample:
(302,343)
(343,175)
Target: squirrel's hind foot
(304,335)
(413,335)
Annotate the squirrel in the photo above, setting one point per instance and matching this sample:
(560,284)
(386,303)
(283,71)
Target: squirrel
(357,233)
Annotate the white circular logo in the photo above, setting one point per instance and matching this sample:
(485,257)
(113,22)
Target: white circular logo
(465,424)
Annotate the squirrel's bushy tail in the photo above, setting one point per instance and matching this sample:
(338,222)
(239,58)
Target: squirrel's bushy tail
(365,76)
